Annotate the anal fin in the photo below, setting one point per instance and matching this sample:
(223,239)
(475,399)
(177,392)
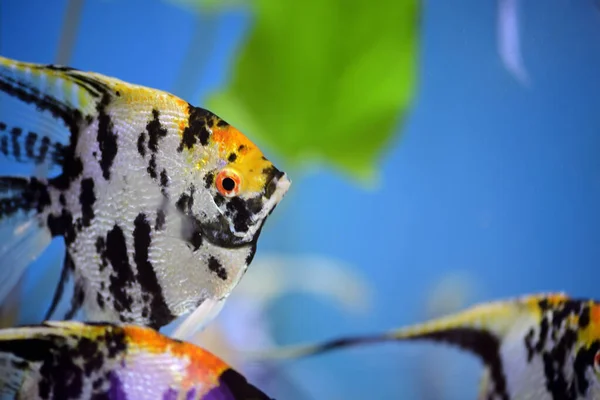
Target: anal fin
(198,319)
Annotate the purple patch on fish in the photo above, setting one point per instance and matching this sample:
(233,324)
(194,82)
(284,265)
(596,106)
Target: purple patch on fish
(116,391)
(170,394)
(191,394)
(219,393)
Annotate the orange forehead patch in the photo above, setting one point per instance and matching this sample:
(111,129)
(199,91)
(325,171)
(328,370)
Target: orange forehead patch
(230,139)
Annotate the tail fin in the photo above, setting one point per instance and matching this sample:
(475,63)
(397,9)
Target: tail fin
(479,329)
(23,231)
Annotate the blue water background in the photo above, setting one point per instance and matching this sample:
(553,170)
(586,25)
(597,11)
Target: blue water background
(488,176)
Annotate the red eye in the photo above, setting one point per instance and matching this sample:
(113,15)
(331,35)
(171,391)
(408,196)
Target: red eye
(597,361)
(228,183)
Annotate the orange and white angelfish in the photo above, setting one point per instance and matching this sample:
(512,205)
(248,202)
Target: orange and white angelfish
(78,361)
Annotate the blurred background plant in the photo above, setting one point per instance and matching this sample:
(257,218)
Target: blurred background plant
(442,153)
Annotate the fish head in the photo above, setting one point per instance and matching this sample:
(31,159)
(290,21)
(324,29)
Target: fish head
(242,188)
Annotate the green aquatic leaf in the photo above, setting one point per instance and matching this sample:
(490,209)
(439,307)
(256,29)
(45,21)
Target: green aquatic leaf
(324,81)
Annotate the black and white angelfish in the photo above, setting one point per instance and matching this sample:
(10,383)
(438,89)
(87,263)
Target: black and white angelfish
(160,203)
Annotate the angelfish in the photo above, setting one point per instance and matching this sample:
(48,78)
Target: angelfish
(79,361)
(544,346)
(160,203)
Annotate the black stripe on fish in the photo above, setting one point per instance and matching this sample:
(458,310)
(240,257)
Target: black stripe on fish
(216,267)
(30,141)
(13,146)
(107,138)
(87,198)
(160,314)
(480,342)
(164,182)
(62,225)
(584,360)
(4,145)
(15,133)
(122,275)
(197,128)
(141,144)
(67,269)
(101,251)
(151,169)
(77,299)
(554,361)
(155,131)
(238,386)
(160,220)
(29,194)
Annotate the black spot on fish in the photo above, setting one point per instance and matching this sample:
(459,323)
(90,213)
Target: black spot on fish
(87,198)
(62,200)
(584,317)
(100,301)
(107,142)
(62,225)
(184,203)
(222,123)
(118,93)
(159,311)
(241,215)
(232,157)
(197,128)
(30,141)
(43,151)
(543,335)
(160,220)
(215,266)
(122,276)
(219,199)
(141,144)
(209,179)
(152,166)
(242,147)
(529,345)
(15,133)
(164,180)
(101,250)
(155,131)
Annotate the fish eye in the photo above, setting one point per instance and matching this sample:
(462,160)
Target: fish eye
(228,183)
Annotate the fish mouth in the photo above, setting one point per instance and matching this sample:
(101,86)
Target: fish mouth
(274,193)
